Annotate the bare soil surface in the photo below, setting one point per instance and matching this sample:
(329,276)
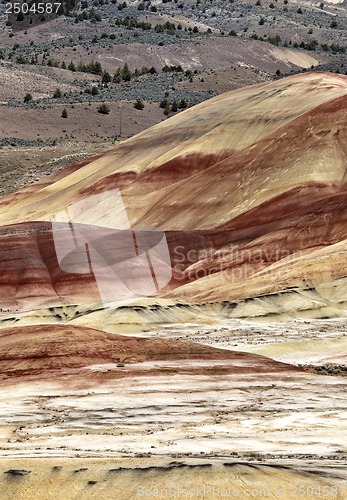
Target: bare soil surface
(128,479)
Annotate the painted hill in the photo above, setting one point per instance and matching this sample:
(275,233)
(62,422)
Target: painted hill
(249,188)
(46,351)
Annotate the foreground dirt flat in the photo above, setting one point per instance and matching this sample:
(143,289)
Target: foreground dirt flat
(214,413)
(127,479)
(158,422)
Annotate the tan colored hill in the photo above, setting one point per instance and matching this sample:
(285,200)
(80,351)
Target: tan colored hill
(250,186)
